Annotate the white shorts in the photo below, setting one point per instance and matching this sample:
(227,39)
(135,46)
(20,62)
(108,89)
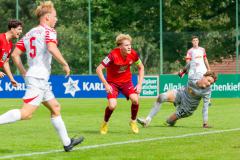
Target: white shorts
(38,91)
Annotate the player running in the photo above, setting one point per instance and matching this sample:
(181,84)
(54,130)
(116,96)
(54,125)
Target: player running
(40,44)
(186,99)
(119,79)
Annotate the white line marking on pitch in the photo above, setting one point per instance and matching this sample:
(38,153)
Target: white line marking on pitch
(121,143)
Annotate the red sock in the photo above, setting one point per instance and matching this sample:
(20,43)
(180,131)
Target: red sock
(134,111)
(108,113)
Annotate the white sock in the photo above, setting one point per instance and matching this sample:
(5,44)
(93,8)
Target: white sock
(205,113)
(148,119)
(205,110)
(10,116)
(61,130)
(155,109)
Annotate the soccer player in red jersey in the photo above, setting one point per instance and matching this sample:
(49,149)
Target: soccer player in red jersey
(119,79)
(6,45)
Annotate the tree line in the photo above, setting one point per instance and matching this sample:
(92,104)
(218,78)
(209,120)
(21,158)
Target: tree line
(212,20)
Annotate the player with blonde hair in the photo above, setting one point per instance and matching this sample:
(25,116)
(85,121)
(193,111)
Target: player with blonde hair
(119,79)
(40,45)
(122,37)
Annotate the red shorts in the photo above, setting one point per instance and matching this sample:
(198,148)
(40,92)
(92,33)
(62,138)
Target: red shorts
(125,88)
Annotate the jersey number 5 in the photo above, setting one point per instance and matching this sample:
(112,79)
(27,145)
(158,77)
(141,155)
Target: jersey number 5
(32,47)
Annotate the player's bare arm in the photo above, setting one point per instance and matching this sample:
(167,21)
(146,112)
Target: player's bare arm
(138,87)
(187,61)
(99,72)
(207,64)
(17,61)
(7,70)
(53,49)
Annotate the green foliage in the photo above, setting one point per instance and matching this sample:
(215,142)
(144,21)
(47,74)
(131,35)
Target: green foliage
(207,19)
(212,20)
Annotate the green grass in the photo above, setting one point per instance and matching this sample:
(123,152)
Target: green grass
(84,116)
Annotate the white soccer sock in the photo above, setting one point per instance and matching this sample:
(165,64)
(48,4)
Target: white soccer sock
(205,109)
(149,119)
(205,113)
(155,109)
(10,116)
(61,130)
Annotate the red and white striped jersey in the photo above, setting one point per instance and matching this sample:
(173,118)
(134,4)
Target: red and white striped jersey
(34,43)
(196,56)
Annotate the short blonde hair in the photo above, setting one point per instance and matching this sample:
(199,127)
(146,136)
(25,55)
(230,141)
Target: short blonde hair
(122,37)
(44,8)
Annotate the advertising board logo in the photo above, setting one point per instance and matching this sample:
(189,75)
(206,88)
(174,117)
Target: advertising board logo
(71,86)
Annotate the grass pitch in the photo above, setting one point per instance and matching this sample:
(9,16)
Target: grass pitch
(37,139)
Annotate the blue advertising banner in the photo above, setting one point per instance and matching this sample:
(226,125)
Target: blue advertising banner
(81,86)
(76,86)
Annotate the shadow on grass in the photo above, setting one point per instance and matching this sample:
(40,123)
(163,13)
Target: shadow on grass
(176,126)
(236,147)
(6,151)
(113,132)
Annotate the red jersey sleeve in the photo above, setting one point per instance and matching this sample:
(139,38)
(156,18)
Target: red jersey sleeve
(107,60)
(1,45)
(189,55)
(20,45)
(204,53)
(51,36)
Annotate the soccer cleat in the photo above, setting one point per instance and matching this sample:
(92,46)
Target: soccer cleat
(209,104)
(205,125)
(134,127)
(104,128)
(144,122)
(74,142)
(181,73)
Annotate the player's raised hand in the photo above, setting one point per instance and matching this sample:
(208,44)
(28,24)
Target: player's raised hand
(67,70)
(138,88)
(2,74)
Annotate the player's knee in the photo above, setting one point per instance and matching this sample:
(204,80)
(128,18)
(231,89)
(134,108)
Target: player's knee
(135,101)
(162,98)
(56,109)
(112,106)
(26,116)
